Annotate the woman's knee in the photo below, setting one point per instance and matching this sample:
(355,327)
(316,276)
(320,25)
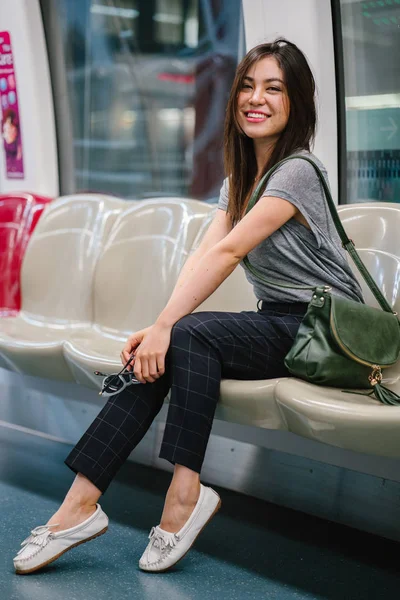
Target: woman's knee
(184,327)
(202,325)
(197,324)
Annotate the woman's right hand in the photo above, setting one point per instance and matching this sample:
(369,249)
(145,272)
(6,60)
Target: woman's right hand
(149,347)
(133,341)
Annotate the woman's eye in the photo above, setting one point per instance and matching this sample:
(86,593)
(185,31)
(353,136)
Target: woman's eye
(275,89)
(246,85)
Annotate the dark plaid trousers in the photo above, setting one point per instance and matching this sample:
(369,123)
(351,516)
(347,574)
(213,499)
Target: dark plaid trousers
(205,347)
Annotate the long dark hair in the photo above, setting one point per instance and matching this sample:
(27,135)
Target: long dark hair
(239,156)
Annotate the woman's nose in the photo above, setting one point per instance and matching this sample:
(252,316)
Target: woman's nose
(257,97)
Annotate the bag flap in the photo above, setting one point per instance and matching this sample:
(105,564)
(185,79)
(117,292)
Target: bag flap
(370,334)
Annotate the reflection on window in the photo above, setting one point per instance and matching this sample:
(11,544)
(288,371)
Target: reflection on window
(148,84)
(371,40)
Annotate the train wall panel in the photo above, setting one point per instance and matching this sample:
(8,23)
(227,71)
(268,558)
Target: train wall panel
(23,20)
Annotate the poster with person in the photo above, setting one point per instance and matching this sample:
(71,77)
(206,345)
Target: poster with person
(10,118)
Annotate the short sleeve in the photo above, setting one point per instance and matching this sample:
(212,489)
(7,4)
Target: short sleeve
(297,182)
(292,181)
(223,196)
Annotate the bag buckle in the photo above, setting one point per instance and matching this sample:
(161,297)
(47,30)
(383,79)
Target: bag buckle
(318,297)
(376,375)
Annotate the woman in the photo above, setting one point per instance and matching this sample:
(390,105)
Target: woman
(288,234)
(12,139)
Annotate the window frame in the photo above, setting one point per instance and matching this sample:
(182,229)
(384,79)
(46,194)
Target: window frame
(340,101)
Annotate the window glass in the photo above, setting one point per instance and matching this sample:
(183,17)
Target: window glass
(371,48)
(148,82)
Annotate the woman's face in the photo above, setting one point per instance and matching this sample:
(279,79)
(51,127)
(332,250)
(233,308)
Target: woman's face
(10,132)
(263,103)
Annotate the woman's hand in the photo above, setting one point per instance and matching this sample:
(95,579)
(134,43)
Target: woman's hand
(132,343)
(149,346)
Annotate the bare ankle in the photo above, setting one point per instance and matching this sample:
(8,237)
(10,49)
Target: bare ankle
(78,504)
(184,494)
(65,517)
(82,496)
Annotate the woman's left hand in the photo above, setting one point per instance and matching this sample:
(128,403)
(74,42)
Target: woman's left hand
(149,363)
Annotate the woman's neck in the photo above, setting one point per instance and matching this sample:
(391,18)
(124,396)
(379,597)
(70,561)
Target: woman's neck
(263,150)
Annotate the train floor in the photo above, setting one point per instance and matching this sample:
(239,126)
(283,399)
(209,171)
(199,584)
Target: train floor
(251,550)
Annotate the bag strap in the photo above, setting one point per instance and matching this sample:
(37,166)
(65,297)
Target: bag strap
(347,243)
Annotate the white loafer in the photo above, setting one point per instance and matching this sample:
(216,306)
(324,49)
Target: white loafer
(43,546)
(165,548)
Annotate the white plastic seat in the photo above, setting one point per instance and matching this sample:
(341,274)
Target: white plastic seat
(329,415)
(351,421)
(56,283)
(134,279)
(250,403)
(372,225)
(346,420)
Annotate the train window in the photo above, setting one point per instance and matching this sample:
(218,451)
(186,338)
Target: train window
(148,82)
(371,47)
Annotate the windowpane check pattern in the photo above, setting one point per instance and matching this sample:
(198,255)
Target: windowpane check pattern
(205,347)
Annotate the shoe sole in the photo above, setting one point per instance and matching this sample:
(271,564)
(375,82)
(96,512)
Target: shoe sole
(19,572)
(183,555)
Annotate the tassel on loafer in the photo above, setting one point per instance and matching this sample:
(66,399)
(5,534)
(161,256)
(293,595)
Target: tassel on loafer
(43,546)
(165,549)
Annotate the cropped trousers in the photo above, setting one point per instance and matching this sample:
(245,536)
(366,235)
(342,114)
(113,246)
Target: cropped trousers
(205,347)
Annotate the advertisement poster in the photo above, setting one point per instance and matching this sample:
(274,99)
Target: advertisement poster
(10,119)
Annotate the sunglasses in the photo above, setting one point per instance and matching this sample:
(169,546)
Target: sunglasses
(116,382)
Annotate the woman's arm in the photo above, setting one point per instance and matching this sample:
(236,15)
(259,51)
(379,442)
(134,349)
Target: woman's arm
(205,274)
(217,263)
(220,227)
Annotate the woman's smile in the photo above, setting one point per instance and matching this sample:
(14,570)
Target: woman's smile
(255,116)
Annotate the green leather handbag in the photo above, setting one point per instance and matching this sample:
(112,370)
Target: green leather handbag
(340,342)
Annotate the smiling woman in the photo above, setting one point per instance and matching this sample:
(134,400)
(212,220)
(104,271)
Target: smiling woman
(275,80)
(271,115)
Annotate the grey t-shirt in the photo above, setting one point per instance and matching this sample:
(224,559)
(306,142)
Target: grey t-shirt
(295,254)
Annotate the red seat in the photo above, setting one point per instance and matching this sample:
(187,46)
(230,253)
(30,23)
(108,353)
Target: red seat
(19,214)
